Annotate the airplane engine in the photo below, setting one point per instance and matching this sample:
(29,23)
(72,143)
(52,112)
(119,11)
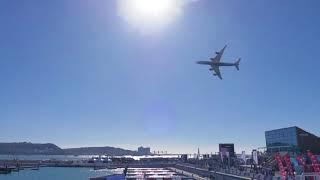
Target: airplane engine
(217,53)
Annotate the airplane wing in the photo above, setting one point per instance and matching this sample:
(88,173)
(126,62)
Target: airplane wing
(218,56)
(216,71)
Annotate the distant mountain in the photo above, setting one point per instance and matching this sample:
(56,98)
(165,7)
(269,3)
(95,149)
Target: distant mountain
(26,148)
(112,151)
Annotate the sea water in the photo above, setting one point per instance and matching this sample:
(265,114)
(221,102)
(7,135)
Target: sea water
(45,157)
(56,173)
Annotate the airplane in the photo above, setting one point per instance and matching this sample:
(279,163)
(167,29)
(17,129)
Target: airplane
(215,63)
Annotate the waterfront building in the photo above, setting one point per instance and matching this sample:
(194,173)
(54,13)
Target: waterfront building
(291,139)
(144,150)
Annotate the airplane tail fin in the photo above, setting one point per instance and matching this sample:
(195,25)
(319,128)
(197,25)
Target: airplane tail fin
(236,64)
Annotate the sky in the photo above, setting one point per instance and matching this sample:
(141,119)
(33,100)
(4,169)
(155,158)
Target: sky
(94,73)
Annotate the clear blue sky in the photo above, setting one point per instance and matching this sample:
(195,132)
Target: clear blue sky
(75,73)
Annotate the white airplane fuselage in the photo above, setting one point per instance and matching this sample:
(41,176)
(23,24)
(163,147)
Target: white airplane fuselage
(216,63)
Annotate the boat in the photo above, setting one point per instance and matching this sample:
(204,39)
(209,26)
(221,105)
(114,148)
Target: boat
(98,168)
(5,170)
(35,168)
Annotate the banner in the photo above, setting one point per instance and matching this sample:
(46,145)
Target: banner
(224,153)
(255,156)
(243,156)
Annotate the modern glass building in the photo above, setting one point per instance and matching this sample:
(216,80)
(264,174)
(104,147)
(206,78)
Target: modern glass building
(291,139)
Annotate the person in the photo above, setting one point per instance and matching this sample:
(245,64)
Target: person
(125,171)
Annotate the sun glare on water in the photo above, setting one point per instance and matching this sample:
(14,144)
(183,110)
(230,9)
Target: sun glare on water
(149,15)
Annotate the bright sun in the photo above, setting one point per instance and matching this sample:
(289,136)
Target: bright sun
(155,9)
(149,15)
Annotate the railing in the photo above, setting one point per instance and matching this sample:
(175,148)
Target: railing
(219,175)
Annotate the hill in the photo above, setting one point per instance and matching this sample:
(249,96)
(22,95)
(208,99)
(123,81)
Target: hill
(112,151)
(27,148)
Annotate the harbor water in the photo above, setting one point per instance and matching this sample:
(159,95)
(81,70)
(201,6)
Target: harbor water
(45,157)
(55,173)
